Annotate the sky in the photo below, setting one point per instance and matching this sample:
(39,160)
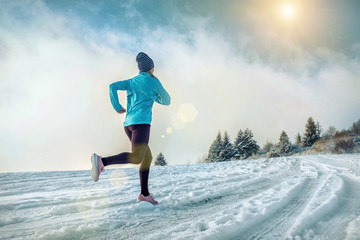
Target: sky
(227,65)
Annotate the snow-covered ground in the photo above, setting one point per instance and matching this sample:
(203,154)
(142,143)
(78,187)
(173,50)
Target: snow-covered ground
(302,197)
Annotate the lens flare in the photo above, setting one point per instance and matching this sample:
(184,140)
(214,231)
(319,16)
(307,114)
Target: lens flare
(118,178)
(187,113)
(169,130)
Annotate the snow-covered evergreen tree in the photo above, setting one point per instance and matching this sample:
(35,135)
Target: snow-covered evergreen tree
(284,143)
(227,151)
(160,160)
(245,145)
(214,154)
(311,133)
(240,145)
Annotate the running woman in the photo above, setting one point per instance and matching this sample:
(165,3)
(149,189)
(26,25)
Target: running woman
(142,91)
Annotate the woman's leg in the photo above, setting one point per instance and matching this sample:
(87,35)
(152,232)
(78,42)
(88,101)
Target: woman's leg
(139,137)
(144,172)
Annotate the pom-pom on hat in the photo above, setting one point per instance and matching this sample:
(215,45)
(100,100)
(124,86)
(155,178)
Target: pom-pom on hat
(144,62)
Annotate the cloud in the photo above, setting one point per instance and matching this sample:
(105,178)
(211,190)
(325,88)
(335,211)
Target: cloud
(56,94)
(56,109)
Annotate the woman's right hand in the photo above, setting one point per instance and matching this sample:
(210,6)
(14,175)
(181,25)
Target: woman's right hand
(122,111)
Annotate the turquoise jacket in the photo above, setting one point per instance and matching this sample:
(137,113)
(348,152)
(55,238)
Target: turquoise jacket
(142,91)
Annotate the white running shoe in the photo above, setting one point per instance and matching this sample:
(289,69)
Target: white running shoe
(97,167)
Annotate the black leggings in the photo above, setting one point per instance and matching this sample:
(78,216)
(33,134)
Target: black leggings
(139,136)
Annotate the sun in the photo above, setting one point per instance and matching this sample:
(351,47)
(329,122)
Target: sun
(288,11)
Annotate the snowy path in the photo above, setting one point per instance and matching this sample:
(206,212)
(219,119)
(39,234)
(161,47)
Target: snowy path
(302,197)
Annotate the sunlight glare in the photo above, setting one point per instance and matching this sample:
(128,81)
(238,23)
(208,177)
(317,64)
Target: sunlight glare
(288,11)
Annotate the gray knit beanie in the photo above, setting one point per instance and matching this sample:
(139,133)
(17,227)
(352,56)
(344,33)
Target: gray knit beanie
(144,62)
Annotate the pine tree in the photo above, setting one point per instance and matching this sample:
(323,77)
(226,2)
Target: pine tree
(355,128)
(215,149)
(311,133)
(160,160)
(227,148)
(284,143)
(253,148)
(298,139)
(245,145)
(239,145)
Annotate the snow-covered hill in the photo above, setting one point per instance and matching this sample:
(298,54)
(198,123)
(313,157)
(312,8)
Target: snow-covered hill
(304,197)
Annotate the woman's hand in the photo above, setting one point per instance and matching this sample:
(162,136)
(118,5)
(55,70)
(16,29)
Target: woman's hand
(122,111)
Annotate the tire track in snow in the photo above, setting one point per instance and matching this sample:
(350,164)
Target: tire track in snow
(344,207)
(240,187)
(328,221)
(281,220)
(346,210)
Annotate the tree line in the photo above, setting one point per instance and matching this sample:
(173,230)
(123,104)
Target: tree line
(245,146)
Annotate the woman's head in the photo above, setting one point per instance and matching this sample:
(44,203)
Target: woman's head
(144,62)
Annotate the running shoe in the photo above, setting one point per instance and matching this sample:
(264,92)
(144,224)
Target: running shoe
(149,199)
(97,167)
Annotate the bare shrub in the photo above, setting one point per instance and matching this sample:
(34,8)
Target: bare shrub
(329,133)
(342,134)
(344,146)
(266,148)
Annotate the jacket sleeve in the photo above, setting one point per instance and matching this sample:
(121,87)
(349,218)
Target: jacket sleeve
(162,96)
(114,87)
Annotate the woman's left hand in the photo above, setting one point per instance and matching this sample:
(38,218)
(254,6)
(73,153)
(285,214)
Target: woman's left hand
(122,111)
